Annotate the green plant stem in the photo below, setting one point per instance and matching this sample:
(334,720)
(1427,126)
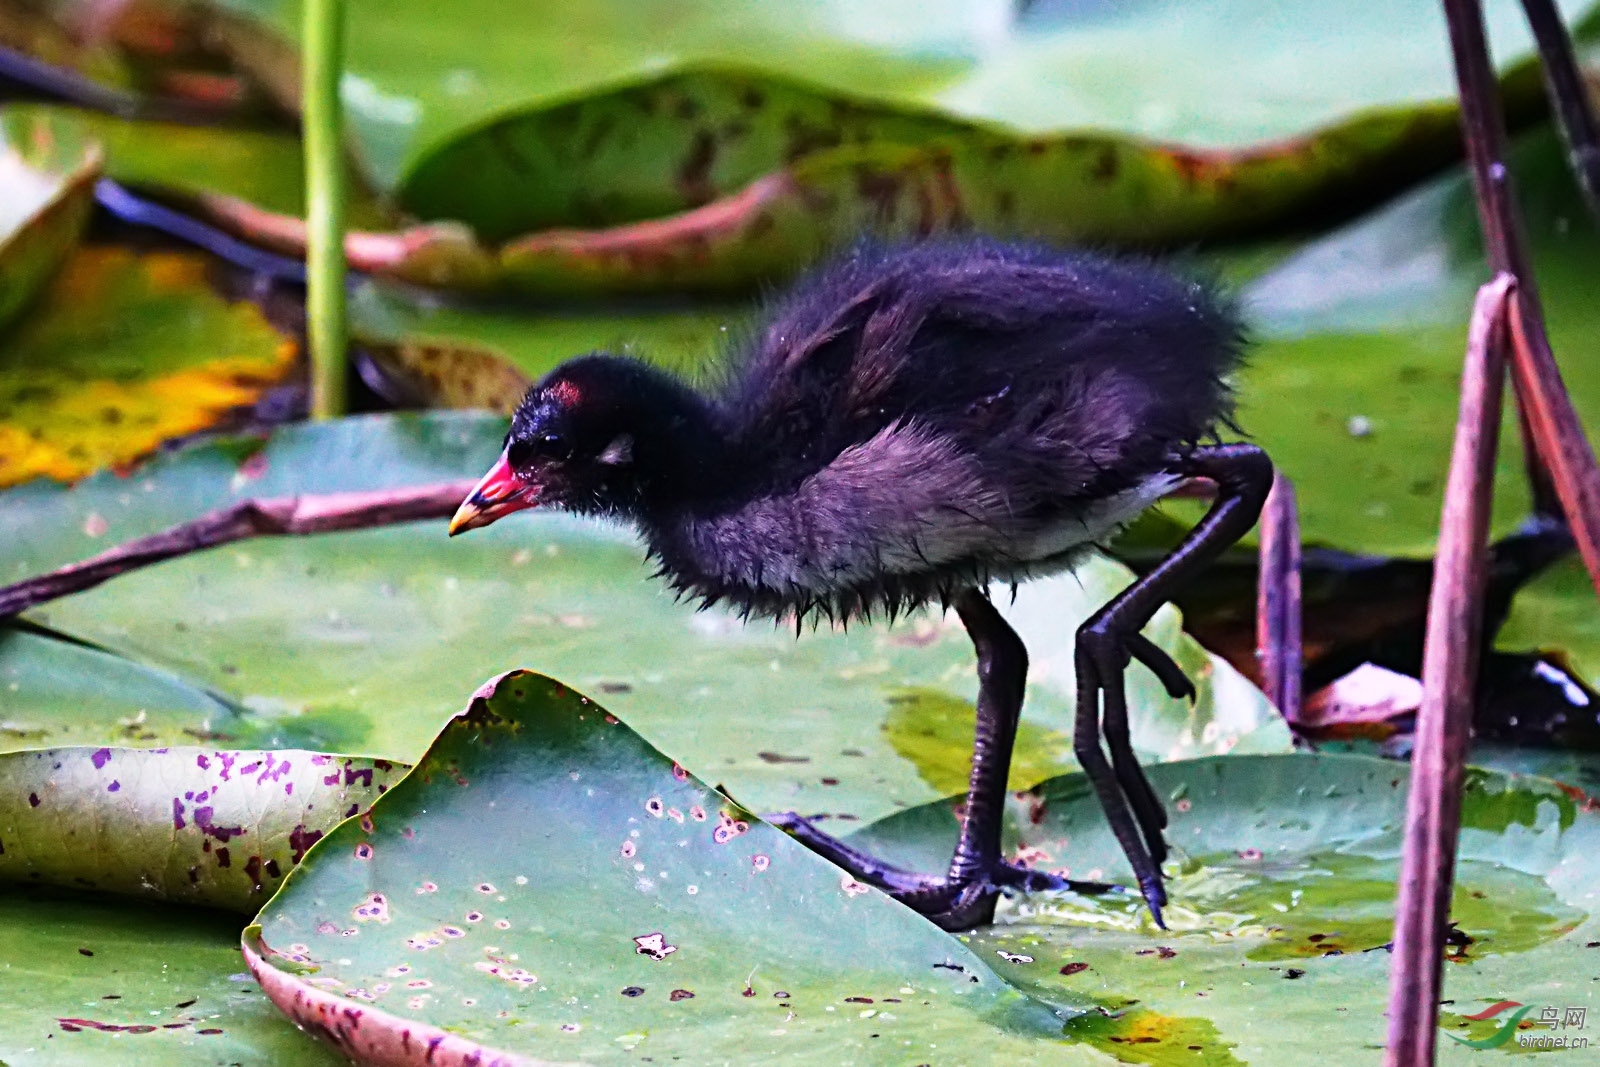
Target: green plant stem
(325,267)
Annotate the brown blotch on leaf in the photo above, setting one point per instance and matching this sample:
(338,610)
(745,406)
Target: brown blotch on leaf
(1105,165)
(1074,968)
(680,994)
(694,177)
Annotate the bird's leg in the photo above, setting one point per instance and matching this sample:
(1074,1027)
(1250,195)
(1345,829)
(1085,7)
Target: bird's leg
(895,880)
(1107,642)
(966,896)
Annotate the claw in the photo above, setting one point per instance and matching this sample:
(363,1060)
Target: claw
(1155,897)
(1171,676)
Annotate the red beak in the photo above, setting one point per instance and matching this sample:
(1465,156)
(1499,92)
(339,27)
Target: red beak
(499,494)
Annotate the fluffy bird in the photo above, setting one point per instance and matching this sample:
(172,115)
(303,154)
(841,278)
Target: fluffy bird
(913,423)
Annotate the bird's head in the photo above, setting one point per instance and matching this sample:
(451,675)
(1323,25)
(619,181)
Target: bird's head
(596,436)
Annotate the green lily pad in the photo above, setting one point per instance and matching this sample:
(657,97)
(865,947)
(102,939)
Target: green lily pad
(90,981)
(122,352)
(1353,387)
(203,826)
(485,357)
(47,175)
(422,76)
(1557,611)
(365,635)
(547,884)
(1282,899)
(261,167)
(688,138)
(59,692)
(51,526)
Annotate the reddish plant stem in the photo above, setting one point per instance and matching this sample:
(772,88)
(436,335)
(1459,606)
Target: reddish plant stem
(1560,461)
(1569,99)
(1449,674)
(1278,646)
(279,516)
(1557,431)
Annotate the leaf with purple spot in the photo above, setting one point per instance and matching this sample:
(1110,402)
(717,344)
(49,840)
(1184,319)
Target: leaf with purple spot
(208,826)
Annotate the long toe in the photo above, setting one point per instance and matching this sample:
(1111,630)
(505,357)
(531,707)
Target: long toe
(954,907)
(895,881)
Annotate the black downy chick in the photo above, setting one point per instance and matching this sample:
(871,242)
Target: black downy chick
(910,424)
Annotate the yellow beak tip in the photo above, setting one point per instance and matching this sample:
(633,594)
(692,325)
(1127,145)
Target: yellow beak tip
(463,519)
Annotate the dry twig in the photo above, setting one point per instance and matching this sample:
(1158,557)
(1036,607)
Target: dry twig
(1552,430)
(1278,650)
(1569,100)
(1449,675)
(291,515)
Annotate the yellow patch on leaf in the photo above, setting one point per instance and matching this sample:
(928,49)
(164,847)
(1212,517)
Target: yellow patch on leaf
(122,353)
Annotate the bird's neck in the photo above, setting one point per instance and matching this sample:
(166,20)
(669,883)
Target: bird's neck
(683,453)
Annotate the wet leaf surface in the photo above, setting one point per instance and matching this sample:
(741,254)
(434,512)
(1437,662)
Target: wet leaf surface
(122,352)
(58,692)
(1282,898)
(546,883)
(1354,385)
(219,828)
(1557,611)
(353,642)
(91,981)
(47,175)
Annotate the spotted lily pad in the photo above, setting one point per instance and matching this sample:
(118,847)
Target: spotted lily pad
(47,175)
(196,825)
(546,884)
(1282,900)
(423,79)
(354,642)
(121,352)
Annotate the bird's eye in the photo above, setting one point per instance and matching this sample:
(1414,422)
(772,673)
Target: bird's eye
(527,451)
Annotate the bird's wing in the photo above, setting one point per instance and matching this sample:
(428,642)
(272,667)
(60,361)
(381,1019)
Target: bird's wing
(846,339)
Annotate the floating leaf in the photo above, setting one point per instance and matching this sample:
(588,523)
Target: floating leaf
(203,826)
(461,357)
(687,138)
(1282,901)
(122,352)
(355,640)
(547,884)
(47,175)
(93,981)
(1557,611)
(58,692)
(422,77)
(1353,388)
